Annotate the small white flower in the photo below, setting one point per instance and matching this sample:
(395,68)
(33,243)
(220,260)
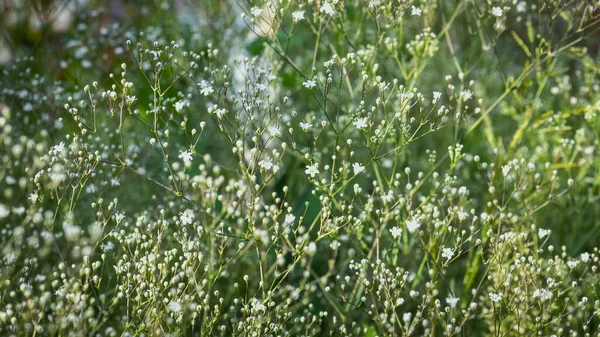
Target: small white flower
(179,106)
(360,123)
(462,215)
(495,297)
(255,11)
(186,156)
(452,301)
(205,88)
(436,96)
(187,217)
(175,307)
(497,12)
(289,219)
(396,231)
(59,148)
(585,257)
(305,126)
(447,253)
(312,170)
(542,294)
(328,9)
(309,84)
(311,248)
(33,197)
(505,170)
(4,211)
(416,11)
(358,168)
(543,232)
(298,15)
(466,95)
(412,225)
(266,164)
(119,217)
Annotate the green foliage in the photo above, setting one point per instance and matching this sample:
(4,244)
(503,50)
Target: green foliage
(299,168)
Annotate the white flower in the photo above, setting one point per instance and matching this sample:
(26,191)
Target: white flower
(412,225)
(497,12)
(452,301)
(447,253)
(305,126)
(360,123)
(175,306)
(505,170)
(266,164)
(396,231)
(311,248)
(186,156)
(309,84)
(416,11)
(436,96)
(466,95)
(4,211)
(328,9)
(358,168)
(119,217)
(312,170)
(220,112)
(179,106)
(542,294)
(107,246)
(187,217)
(33,197)
(543,232)
(462,215)
(495,297)
(59,148)
(289,219)
(205,88)
(585,257)
(298,15)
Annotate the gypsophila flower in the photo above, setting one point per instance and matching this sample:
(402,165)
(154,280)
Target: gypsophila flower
(328,9)
(309,84)
(305,126)
(33,197)
(505,170)
(447,253)
(585,257)
(4,211)
(466,95)
(312,170)
(119,217)
(187,217)
(205,88)
(357,168)
(289,219)
(497,11)
(543,232)
(186,156)
(416,11)
(255,11)
(266,164)
(412,225)
(542,294)
(396,231)
(298,15)
(495,297)
(179,106)
(175,307)
(452,301)
(360,123)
